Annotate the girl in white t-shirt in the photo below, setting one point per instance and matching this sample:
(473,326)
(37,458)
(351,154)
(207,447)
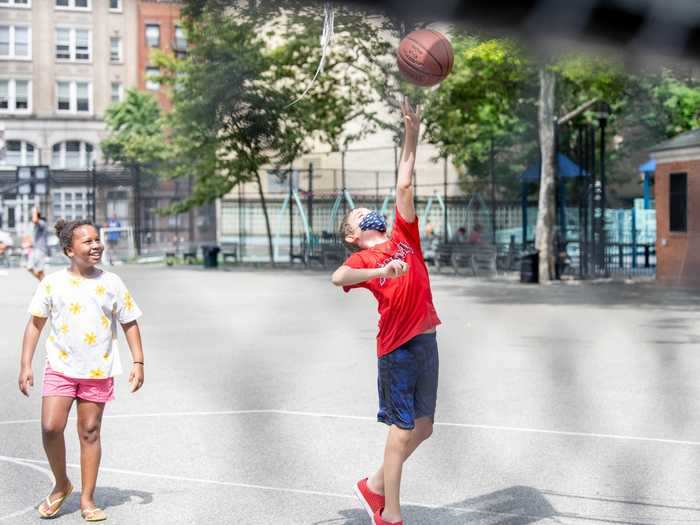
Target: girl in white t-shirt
(83,304)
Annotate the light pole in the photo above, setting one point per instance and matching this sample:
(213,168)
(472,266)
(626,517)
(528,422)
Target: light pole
(602,113)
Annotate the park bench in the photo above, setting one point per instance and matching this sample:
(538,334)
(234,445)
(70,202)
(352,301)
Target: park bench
(461,256)
(229,252)
(327,250)
(190,256)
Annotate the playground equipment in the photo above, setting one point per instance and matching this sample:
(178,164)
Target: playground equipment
(426,212)
(280,217)
(343,196)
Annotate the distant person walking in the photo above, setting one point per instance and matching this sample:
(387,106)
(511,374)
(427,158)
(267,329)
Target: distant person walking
(112,238)
(36,262)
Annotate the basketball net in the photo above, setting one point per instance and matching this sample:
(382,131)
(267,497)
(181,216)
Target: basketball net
(326,41)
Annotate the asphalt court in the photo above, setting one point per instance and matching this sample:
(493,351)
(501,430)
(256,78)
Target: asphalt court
(561,404)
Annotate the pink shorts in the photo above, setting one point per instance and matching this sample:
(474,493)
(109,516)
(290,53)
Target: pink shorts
(95,390)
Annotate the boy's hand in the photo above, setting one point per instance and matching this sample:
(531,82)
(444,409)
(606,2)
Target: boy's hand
(411,118)
(26,379)
(394,269)
(136,377)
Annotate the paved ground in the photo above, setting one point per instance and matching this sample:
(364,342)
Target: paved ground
(562,404)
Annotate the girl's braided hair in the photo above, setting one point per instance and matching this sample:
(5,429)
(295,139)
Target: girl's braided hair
(65,229)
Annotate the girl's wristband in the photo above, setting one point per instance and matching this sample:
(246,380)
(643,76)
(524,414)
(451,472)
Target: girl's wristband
(139,363)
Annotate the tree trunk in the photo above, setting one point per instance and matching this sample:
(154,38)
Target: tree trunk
(546,207)
(267,218)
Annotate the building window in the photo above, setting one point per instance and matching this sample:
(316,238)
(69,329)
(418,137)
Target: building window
(21,153)
(15,96)
(73,97)
(115,49)
(15,3)
(117,92)
(678,202)
(151,84)
(152,35)
(63,96)
(21,41)
(21,95)
(115,5)
(180,39)
(73,44)
(15,42)
(5,41)
(63,44)
(83,96)
(4,95)
(82,44)
(82,5)
(72,154)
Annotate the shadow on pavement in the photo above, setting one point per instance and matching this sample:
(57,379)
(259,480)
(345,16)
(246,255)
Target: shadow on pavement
(109,497)
(518,505)
(601,295)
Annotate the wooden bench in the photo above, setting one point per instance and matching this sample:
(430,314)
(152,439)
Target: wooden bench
(190,256)
(460,256)
(327,250)
(229,252)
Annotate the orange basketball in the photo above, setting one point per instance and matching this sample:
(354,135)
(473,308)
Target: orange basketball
(425,57)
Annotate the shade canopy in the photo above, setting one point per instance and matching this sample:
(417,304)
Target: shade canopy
(648,167)
(567,168)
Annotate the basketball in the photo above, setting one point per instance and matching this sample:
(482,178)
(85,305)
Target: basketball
(425,57)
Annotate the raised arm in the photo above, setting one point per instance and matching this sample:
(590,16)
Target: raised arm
(404,186)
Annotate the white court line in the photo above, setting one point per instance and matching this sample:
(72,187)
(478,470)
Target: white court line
(465,510)
(28,464)
(365,418)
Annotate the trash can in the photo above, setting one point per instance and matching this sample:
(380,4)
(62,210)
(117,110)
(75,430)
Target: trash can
(529,268)
(210,256)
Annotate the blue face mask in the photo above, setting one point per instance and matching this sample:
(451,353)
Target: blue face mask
(373,221)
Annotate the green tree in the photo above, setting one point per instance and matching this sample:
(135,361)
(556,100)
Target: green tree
(487,98)
(233,111)
(135,131)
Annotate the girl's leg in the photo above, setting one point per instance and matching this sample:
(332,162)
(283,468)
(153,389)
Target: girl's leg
(422,431)
(54,416)
(89,423)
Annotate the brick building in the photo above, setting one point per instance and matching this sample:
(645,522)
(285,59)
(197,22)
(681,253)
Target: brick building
(159,28)
(677,191)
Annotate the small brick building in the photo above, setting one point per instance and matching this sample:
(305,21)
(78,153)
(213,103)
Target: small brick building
(677,192)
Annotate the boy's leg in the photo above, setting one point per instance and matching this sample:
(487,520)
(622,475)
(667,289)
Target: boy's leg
(422,431)
(395,453)
(89,424)
(54,416)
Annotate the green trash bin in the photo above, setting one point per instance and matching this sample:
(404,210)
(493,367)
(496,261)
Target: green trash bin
(210,256)
(530,268)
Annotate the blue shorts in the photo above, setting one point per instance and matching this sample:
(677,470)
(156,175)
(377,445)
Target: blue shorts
(407,382)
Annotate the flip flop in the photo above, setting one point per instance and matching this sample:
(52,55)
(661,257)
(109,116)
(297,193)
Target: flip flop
(50,504)
(95,514)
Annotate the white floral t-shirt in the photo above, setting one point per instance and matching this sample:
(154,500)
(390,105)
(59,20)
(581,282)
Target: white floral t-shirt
(82,314)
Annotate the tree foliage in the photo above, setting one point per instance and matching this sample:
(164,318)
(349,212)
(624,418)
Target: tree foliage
(136,131)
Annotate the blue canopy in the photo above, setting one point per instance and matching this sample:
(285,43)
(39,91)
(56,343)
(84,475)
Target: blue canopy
(648,167)
(567,168)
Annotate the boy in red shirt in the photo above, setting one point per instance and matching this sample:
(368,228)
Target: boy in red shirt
(393,269)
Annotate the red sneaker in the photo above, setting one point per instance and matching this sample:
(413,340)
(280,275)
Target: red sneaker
(370,500)
(377,519)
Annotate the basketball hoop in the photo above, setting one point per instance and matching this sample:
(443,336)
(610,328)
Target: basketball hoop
(326,41)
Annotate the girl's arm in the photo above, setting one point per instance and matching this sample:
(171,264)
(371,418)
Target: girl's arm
(31,337)
(133,338)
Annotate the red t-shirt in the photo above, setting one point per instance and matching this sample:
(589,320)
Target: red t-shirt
(405,303)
